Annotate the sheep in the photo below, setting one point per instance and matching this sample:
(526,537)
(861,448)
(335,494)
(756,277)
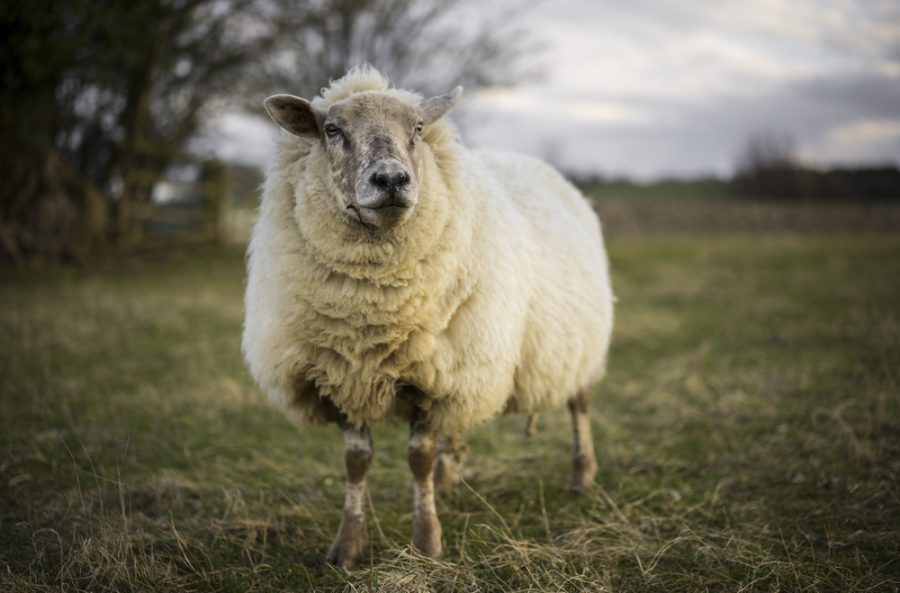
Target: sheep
(394,272)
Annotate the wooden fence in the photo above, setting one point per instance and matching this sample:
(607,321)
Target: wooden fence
(195,212)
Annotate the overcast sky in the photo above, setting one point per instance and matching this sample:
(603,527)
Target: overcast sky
(649,88)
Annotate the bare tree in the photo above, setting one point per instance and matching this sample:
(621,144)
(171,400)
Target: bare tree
(767,167)
(137,93)
(99,97)
(429,45)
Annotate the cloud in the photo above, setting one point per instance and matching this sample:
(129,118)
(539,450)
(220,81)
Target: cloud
(653,87)
(869,139)
(697,135)
(678,87)
(530,103)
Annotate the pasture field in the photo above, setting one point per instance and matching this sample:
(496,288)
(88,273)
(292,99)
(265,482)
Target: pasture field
(748,436)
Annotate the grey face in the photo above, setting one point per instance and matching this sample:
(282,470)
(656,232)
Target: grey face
(372,141)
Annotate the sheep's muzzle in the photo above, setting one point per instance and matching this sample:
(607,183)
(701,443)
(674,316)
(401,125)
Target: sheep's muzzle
(385,195)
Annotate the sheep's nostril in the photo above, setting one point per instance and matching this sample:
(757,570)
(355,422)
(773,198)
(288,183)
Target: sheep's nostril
(380,180)
(389,181)
(401,179)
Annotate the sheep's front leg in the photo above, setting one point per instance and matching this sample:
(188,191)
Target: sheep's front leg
(351,540)
(451,453)
(426,533)
(584,464)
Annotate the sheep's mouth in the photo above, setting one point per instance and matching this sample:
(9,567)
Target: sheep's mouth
(359,217)
(387,211)
(382,216)
(398,205)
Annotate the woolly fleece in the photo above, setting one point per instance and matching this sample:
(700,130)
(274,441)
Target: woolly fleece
(494,296)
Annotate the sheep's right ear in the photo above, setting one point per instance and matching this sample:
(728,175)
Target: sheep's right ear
(435,108)
(294,114)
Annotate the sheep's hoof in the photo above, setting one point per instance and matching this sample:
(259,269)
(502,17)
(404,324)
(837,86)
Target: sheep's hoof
(427,536)
(583,472)
(349,544)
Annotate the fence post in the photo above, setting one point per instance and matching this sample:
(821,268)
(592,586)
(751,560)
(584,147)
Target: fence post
(215,190)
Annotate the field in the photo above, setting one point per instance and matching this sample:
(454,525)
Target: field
(748,436)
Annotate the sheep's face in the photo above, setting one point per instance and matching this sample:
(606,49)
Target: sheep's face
(372,141)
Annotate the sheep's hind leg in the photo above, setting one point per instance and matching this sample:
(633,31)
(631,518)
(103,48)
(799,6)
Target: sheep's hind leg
(426,532)
(451,453)
(351,540)
(584,463)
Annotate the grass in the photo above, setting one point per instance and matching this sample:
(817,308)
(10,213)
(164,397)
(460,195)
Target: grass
(706,206)
(748,436)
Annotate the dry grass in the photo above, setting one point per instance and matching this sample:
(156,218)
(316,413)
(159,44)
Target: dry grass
(647,211)
(748,438)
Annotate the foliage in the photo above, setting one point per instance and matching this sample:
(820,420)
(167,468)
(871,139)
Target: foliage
(660,190)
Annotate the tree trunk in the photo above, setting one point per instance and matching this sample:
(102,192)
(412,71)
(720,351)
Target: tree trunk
(135,187)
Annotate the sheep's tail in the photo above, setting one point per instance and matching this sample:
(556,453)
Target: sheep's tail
(531,427)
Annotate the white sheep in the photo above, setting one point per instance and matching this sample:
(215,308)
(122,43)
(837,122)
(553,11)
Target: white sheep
(395,272)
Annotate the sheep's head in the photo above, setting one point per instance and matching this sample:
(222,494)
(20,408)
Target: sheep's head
(372,141)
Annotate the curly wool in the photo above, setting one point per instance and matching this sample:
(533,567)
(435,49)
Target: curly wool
(494,296)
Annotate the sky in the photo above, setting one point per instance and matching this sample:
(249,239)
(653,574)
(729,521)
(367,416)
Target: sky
(656,88)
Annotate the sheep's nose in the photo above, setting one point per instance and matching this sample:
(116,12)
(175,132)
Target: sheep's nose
(389,181)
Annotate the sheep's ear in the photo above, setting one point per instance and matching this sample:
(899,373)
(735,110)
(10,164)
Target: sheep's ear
(294,114)
(435,108)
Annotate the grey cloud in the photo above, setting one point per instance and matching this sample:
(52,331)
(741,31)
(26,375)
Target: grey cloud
(703,136)
(708,75)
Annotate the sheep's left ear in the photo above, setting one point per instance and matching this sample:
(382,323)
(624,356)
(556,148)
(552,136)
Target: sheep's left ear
(435,108)
(294,114)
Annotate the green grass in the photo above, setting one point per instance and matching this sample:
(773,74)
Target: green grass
(748,436)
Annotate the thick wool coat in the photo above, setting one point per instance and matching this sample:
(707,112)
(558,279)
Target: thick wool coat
(493,297)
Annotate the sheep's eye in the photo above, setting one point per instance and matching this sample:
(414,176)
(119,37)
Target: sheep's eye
(332,130)
(419,127)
